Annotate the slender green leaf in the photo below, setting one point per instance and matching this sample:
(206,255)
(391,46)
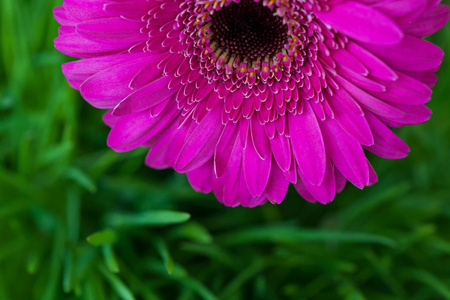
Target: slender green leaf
(199,288)
(292,234)
(435,283)
(107,236)
(81,178)
(150,218)
(110,258)
(121,289)
(165,255)
(192,231)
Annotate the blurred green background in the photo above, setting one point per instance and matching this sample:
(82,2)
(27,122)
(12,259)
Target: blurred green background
(78,221)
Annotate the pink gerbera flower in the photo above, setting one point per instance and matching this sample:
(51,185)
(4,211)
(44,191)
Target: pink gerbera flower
(246,96)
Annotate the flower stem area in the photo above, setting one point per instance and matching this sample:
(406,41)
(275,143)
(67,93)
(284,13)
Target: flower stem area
(79,221)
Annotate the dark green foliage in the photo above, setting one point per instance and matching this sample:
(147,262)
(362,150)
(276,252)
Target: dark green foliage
(78,221)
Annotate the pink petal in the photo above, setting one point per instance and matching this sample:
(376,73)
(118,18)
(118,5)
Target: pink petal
(362,23)
(412,54)
(429,22)
(107,88)
(353,124)
(387,144)
(303,191)
(346,153)
(259,138)
(281,149)
(224,147)
(376,66)
(134,129)
(112,30)
(277,185)
(256,170)
(146,97)
(307,144)
(201,178)
(199,146)
(324,193)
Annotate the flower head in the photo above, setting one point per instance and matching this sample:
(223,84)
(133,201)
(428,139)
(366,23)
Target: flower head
(246,96)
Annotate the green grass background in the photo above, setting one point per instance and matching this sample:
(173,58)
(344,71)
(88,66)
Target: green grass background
(78,221)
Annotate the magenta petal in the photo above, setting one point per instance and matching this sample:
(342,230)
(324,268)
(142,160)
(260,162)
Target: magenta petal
(347,100)
(107,88)
(303,191)
(281,149)
(405,90)
(366,83)
(62,17)
(244,197)
(224,148)
(256,201)
(373,178)
(134,129)
(230,185)
(345,60)
(167,145)
(346,153)
(128,133)
(430,22)
(402,11)
(75,45)
(199,146)
(375,66)
(259,138)
(370,102)
(80,70)
(387,144)
(218,189)
(412,54)
(413,114)
(84,10)
(427,77)
(277,185)
(112,30)
(291,174)
(353,124)
(362,23)
(340,180)
(308,145)
(109,119)
(256,170)
(146,97)
(128,9)
(149,72)
(324,193)
(201,178)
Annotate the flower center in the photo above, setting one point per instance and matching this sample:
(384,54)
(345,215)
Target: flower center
(257,48)
(249,30)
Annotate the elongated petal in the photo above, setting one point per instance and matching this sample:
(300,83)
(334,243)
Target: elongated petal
(308,145)
(146,97)
(324,193)
(199,146)
(256,170)
(412,54)
(201,178)
(112,30)
(134,129)
(346,154)
(373,26)
(277,185)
